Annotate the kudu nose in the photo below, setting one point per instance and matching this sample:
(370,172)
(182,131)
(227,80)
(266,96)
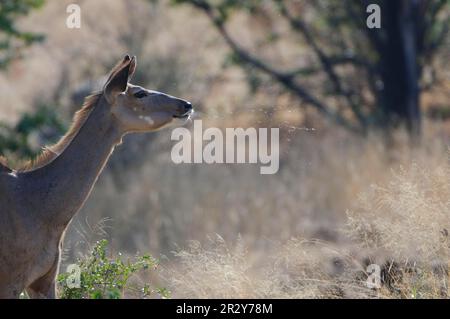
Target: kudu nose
(187,107)
(184,108)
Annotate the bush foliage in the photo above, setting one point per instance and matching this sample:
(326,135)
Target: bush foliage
(106,277)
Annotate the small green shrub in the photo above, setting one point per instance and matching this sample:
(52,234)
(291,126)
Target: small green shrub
(25,139)
(105,277)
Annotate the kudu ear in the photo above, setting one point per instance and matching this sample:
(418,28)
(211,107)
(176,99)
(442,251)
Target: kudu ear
(119,77)
(133,64)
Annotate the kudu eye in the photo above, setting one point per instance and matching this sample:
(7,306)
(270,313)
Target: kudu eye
(140,94)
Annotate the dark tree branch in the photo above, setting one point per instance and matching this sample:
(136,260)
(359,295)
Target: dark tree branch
(334,61)
(286,79)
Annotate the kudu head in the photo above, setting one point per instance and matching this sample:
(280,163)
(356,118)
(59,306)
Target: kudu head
(138,109)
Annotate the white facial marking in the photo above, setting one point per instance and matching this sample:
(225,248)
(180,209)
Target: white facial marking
(148,119)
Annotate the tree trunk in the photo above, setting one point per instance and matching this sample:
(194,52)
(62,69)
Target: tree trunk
(396,43)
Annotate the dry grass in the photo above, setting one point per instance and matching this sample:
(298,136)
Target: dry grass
(400,223)
(338,204)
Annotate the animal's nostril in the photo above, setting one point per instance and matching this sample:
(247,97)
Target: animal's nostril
(188,106)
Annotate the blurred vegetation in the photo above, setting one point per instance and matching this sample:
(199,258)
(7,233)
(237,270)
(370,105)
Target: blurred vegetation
(105,277)
(33,130)
(16,138)
(12,40)
(350,59)
(334,166)
(358,77)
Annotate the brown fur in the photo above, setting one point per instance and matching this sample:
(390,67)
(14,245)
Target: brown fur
(38,201)
(49,153)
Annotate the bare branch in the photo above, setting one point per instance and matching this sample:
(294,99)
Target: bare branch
(440,38)
(299,26)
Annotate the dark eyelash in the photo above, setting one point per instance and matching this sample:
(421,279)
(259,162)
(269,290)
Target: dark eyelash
(140,94)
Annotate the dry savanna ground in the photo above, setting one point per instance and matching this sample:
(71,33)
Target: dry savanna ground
(338,203)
